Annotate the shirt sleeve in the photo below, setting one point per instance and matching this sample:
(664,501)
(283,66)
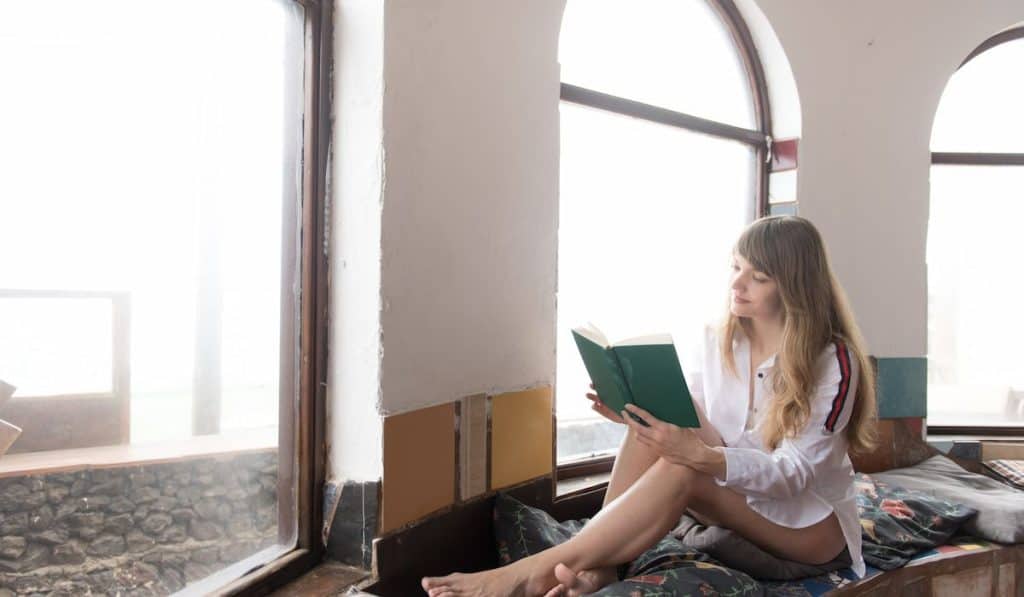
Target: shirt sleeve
(790,468)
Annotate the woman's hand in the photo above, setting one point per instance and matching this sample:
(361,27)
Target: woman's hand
(602,409)
(675,444)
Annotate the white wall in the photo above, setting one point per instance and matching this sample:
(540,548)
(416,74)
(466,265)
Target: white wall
(470,200)
(870,75)
(357,179)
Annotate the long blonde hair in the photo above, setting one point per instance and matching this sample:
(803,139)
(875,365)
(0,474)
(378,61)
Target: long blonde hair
(815,313)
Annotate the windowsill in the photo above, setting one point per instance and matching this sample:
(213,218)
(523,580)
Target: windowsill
(57,461)
(583,484)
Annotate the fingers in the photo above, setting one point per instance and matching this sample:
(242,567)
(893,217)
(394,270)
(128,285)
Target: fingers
(643,414)
(606,412)
(555,591)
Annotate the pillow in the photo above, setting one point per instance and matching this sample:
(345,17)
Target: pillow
(735,551)
(668,568)
(1010,471)
(897,523)
(1000,507)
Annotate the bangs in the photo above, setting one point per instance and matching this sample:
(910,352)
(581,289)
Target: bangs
(753,245)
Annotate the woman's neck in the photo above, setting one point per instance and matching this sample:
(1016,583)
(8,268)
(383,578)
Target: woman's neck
(765,335)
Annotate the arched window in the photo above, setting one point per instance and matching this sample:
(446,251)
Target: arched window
(975,372)
(664,135)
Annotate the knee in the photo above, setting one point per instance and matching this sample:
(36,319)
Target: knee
(688,479)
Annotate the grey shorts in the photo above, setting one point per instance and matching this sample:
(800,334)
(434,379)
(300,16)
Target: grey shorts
(735,551)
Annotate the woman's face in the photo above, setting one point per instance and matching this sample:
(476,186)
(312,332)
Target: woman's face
(752,293)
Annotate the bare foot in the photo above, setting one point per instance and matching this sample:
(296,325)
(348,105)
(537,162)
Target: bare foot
(573,584)
(507,581)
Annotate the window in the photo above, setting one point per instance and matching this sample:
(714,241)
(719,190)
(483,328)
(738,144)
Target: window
(161,183)
(977,177)
(663,142)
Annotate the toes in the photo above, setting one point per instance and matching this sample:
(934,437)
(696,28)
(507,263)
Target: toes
(566,576)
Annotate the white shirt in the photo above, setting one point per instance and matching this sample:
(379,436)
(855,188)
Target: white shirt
(805,478)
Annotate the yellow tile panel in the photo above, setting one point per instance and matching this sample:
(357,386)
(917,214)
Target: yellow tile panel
(419,465)
(521,436)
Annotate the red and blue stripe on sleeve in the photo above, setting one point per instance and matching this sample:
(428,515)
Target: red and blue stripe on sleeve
(843,356)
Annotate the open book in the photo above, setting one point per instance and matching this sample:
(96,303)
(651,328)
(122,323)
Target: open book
(644,371)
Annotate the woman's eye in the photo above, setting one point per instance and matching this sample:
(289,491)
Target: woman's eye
(760,279)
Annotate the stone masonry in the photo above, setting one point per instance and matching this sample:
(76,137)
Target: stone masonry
(136,530)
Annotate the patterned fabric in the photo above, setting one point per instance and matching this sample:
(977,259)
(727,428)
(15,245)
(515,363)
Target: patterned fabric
(898,523)
(1011,471)
(665,570)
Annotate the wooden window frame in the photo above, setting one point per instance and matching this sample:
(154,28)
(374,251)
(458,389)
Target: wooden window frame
(760,140)
(980,159)
(301,459)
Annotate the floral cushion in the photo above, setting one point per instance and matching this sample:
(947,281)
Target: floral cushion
(898,523)
(668,568)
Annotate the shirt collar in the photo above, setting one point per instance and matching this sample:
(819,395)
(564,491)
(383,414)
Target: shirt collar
(741,344)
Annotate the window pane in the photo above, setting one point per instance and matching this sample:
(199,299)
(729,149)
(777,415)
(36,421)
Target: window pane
(152,150)
(980,109)
(974,288)
(677,55)
(34,345)
(648,214)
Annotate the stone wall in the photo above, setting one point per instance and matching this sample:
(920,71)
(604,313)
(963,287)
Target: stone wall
(139,530)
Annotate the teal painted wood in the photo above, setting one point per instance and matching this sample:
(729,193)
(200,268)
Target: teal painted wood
(902,387)
(782,209)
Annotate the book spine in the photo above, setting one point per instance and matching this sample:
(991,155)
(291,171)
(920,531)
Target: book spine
(622,375)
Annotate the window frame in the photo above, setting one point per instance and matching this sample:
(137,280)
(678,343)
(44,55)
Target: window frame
(759,139)
(950,158)
(301,455)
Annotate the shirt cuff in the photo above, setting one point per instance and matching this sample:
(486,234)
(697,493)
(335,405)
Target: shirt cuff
(733,468)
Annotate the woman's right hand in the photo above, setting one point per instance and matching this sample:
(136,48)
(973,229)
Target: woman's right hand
(602,409)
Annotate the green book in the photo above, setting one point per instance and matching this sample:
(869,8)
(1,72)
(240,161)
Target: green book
(643,371)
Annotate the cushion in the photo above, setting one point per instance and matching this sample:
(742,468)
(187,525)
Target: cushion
(1010,471)
(898,523)
(1000,507)
(668,568)
(735,551)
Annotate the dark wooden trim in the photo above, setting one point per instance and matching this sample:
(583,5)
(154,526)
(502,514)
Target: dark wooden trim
(272,575)
(583,468)
(977,159)
(302,430)
(995,40)
(737,27)
(975,431)
(627,107)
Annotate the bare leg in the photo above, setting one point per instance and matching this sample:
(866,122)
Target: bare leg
(632,523)
(632,461)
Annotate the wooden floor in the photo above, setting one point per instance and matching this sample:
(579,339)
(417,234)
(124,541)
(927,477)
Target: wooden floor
(329,578)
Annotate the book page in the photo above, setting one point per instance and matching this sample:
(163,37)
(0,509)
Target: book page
(590,332)
(646,340)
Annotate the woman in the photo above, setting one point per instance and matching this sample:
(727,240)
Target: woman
(783,393)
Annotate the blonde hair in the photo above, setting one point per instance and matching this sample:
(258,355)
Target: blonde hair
(815,313)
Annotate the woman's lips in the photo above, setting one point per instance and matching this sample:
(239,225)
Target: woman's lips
(739,300)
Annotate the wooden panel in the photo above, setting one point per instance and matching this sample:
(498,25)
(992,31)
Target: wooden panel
(470,523)
(1007,580)
(784,154)
(881,459)
(419,465)
(521,436)
(968,583)
(473,446)
(1002,451)
(65,422)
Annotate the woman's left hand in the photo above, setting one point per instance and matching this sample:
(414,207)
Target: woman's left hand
(678,445)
